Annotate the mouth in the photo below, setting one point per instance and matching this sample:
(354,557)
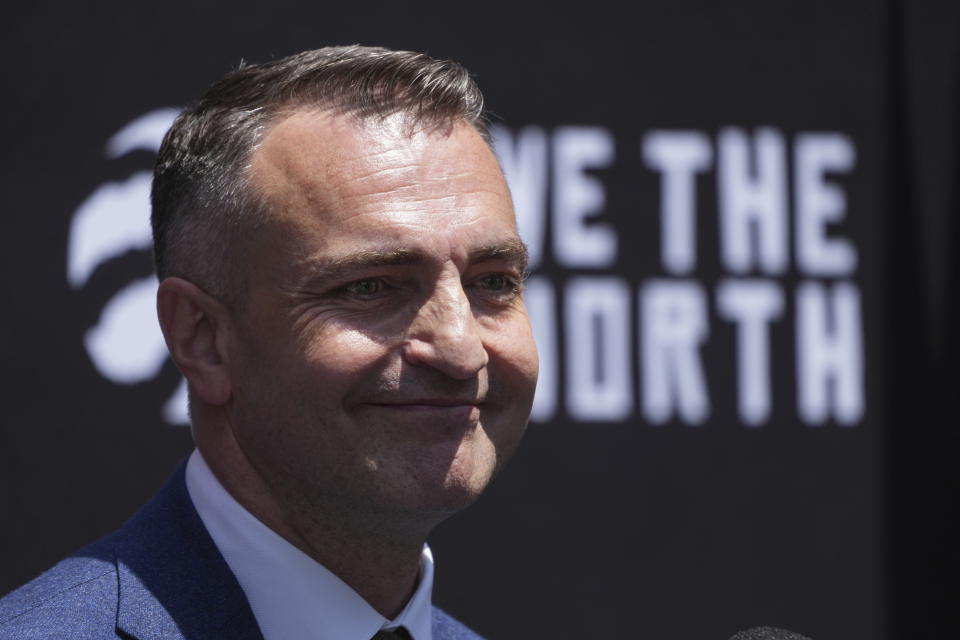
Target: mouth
(432,410)
(430,404)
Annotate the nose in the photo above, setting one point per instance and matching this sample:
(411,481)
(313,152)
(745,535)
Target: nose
(445,334)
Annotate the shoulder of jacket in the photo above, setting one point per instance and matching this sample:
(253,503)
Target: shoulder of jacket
(78,592)
(446,627)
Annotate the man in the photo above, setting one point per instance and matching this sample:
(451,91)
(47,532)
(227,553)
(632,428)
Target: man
(341,287)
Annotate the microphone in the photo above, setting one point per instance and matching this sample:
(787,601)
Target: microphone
(767,633)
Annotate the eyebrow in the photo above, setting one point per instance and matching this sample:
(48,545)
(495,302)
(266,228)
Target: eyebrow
(337,268)
(513,251)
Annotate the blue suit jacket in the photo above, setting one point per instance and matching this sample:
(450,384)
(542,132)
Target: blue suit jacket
(159,577)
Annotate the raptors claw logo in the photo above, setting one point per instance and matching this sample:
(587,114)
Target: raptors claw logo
(125,345)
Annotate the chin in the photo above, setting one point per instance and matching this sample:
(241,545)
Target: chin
(434,482)
(444,491)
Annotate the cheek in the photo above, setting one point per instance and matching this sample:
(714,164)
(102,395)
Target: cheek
(343,354)
(511,343)
(526,356)
(513,377)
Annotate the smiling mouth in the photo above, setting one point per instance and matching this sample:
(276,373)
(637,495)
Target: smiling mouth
(436,406)
(430,403)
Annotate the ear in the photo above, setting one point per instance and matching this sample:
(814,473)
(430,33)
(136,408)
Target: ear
(194,324)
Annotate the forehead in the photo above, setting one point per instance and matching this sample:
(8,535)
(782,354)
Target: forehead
(336,172)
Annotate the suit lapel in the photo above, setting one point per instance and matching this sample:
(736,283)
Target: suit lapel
(172,581)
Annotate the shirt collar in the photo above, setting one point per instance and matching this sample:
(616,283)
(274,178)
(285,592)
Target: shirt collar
(291,595)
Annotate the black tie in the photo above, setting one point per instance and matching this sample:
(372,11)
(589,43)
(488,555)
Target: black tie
(392,634)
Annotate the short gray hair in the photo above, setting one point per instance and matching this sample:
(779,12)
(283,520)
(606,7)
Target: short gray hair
(202,201)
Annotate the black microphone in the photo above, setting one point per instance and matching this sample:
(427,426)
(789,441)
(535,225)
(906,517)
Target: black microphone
(768,633)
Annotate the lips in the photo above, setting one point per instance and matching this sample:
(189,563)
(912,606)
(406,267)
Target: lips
(429,403)
(429,409)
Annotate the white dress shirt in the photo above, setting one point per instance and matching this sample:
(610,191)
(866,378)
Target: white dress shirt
(291,595)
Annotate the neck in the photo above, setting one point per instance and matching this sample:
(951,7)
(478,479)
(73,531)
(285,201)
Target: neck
(377,557)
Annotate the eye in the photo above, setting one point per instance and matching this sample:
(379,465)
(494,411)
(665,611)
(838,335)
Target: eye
(498,287)
(497,282)
(366,287)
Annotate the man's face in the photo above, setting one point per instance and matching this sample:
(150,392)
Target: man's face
(383,361)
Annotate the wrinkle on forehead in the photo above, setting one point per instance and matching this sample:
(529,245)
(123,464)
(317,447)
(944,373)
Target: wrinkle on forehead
(334,184)
(306,159)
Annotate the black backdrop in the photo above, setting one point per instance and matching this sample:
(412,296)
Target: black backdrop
(684,479)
